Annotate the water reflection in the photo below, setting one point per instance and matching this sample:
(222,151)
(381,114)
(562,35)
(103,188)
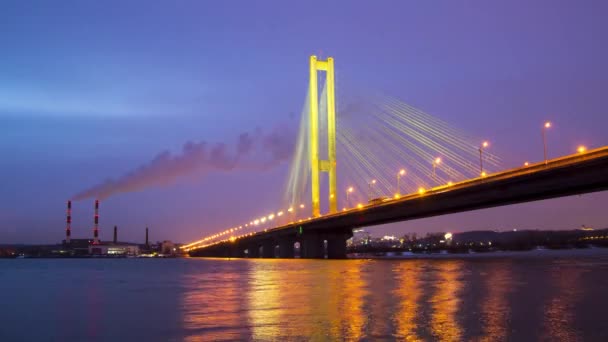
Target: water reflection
(270,305)
(560,309)
(343,303)
(505,297)
(405,300)
(310,298)
(445,301)
(495,308)
(212,304)
(407,293)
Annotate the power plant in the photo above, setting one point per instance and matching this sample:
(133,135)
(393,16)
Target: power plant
(94,246)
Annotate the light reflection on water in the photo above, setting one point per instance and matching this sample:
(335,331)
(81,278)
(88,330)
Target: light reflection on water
(484,299)
(560,308)
(407,295)
(494,304)
(410,300)
(446,300)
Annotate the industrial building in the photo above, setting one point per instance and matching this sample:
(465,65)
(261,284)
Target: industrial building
(114,249)
(94,246)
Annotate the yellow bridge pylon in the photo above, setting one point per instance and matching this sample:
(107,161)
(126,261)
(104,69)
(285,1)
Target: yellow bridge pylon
(329,165)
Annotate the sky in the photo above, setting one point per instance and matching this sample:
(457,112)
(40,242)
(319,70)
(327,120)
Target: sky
(93,90)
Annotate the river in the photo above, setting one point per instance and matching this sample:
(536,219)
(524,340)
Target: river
(547,295)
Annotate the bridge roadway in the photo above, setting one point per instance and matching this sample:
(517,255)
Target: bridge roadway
(565,176)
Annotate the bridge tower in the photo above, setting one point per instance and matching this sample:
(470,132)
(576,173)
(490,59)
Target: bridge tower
(329,165)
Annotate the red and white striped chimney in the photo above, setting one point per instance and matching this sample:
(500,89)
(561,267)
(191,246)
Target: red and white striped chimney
(96,226)
(68,223)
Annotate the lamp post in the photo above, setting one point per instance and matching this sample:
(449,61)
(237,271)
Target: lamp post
(436,162)
(292,213)
(301,207)
(401,173)
(370,188)
(483,145)
(545,127)
(348,191)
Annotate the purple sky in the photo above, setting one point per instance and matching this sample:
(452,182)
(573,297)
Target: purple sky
(90,90)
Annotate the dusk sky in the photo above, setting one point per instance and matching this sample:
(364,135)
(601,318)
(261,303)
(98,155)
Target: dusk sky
(92,90)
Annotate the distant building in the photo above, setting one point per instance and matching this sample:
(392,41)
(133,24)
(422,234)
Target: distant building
(167,247)
(360,238)
(78,246)
(114,249)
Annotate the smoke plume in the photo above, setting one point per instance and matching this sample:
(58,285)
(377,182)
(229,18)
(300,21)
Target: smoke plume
(253,150)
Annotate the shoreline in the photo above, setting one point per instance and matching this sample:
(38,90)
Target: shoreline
(539,252)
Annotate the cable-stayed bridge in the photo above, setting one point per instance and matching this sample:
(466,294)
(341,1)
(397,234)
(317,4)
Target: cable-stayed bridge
(388,162)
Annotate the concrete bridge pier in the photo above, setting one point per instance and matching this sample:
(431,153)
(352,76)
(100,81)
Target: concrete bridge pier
(253,250)
(336,245)
(314,244)
(311,246)
(235,250)
(286,248)
(268,247)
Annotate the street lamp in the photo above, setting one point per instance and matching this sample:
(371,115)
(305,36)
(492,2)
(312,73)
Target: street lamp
(436,162)
(348,191)
(483,145)
(545,127)
(401,173)
(370,188)
(292,213)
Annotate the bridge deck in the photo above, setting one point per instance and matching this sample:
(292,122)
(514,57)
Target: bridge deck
(569,175)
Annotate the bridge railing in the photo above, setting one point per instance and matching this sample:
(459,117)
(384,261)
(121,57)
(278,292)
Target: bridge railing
(528,169)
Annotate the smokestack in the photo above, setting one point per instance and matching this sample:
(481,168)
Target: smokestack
(68,223)
(96,226)
(115,234)
(147,237)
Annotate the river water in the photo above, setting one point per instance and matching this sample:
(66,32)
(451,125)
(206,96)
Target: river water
(559,296)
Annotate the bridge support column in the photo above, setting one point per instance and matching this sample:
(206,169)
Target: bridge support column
(253,250)
(286,248)
(312,247)
(336,246)
(235,250)
(268,249)
(329,165)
